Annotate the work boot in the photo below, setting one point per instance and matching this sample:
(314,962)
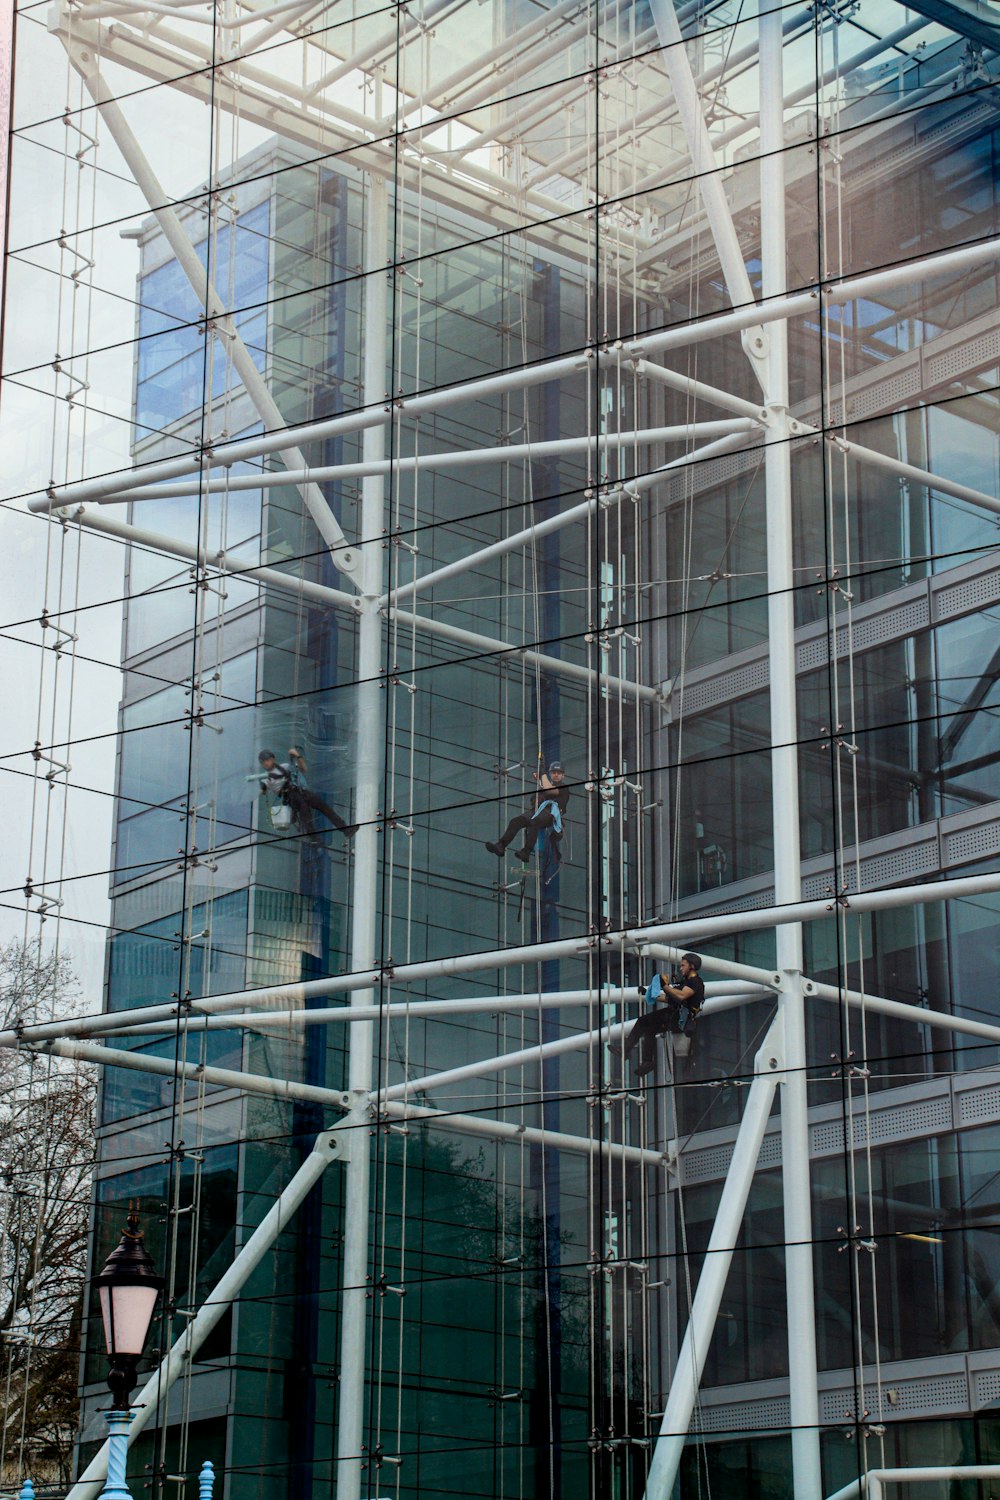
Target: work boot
(350,829)
(523,854)
(497,849)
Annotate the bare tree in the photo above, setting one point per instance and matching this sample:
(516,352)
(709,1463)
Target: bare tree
(46,1166)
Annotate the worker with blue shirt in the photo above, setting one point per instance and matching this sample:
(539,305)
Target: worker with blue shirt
(549,810)
(286,781)
(674,1005)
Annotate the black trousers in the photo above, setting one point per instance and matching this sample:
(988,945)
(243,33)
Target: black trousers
(648,1027)
(526,822)
(303,803)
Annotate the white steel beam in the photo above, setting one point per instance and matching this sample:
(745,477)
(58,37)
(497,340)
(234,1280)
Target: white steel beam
(840,69)
(722,995)
(706,172)
(196,1073)
(603,498)
(480,645)
(443,96)
(456,458)
(501,1062)
(325,124)
(795,1174)
(369,773)
(733,64)
(489,646)
(869,458)
(692,932)
(872,1482)
(644,368)
(211,1013)
(583,947)
(224,561)
(379,49)
(503,1130)
(675,60)
(359,1107)
(155,1020)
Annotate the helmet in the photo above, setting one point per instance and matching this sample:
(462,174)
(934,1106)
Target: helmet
(556,765)
(692,959)
(266,755)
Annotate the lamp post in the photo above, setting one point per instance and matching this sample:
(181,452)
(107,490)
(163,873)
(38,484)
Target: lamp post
(128,1288)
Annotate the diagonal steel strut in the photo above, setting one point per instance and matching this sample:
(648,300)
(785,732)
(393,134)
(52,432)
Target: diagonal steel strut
(328,1147)
(220,320)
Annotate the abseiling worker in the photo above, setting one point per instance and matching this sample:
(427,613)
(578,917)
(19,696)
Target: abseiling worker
(550,806)
(673,1006)
(287,781)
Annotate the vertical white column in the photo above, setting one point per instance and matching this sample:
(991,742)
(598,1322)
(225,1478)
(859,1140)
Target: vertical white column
(368,747)
(785,785)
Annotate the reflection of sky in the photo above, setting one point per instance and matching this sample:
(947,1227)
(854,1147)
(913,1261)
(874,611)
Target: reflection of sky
(177,151)
(892,335)
(171,352)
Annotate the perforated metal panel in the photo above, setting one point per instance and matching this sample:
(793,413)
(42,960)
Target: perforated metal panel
(770,1151)
(976,1106)
(716,471)
(899,865)
(891,868)
(911,1119)
(743,1416)
(712,1162)
(962,358)
(885,393)
(890,622)
(935,1393)
(752,902)
(898,615)
(737,684)
(972,593)
(827,1138)
(928,1395)
(923,1117)
(986,1386)
(972,843)
(706,1165)
(812,654)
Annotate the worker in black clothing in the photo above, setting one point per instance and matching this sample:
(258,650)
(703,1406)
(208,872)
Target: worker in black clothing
(675,1008)
(287,781)
(548,812)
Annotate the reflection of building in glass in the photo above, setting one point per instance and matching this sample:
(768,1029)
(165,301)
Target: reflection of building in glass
(561,393)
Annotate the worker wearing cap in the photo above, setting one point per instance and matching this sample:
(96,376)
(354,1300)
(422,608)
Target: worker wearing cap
(674,1007)
(550,807)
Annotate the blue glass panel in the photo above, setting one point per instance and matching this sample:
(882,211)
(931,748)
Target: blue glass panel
(171,361)
(146,968)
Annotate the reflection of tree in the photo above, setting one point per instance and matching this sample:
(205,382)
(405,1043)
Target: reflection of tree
(46,1162)
(502,1252)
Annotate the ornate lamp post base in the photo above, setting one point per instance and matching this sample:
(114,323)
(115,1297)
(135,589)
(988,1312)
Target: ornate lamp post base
(118,1426)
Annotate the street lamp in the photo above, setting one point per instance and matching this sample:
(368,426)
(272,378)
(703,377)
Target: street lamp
(128,1288)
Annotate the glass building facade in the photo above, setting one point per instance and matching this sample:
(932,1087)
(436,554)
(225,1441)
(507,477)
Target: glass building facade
(428,394)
